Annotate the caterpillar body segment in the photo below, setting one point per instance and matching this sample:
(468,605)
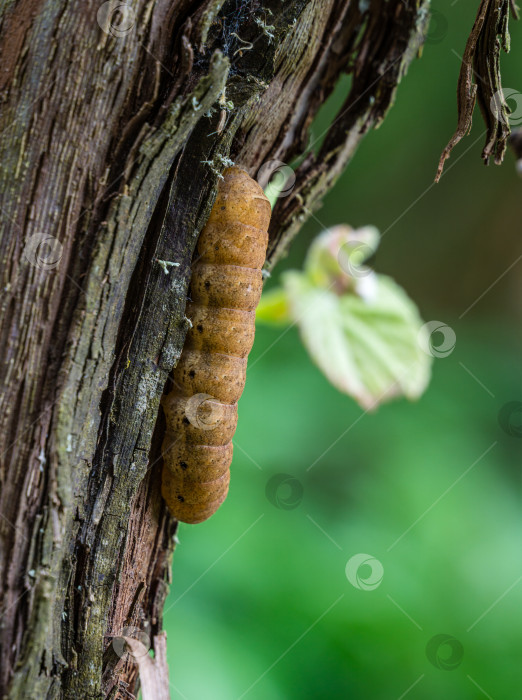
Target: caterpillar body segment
(201,410)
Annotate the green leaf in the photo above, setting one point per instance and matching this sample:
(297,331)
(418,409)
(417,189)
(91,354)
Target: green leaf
(338,253)
(366,344)
(273,308)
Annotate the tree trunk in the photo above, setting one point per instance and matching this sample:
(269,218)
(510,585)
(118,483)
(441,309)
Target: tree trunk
(116,122)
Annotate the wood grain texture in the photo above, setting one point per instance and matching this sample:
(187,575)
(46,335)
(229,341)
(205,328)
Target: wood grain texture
(110,145)
(201,409)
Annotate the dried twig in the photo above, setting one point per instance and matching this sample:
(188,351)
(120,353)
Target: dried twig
(481,63)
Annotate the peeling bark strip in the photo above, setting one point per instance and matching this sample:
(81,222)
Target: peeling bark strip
(116,121)
(479,78)
(154,673)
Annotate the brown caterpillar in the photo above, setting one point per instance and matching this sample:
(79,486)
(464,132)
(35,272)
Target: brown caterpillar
(201,410)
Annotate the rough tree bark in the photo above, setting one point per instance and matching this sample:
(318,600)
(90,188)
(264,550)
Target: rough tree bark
(112,138)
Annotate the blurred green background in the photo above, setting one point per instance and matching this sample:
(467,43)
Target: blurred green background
(260,605)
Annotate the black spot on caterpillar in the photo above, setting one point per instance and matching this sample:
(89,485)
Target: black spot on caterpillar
(201,410)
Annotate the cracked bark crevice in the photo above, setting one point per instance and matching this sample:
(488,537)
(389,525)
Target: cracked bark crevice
(113,145)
